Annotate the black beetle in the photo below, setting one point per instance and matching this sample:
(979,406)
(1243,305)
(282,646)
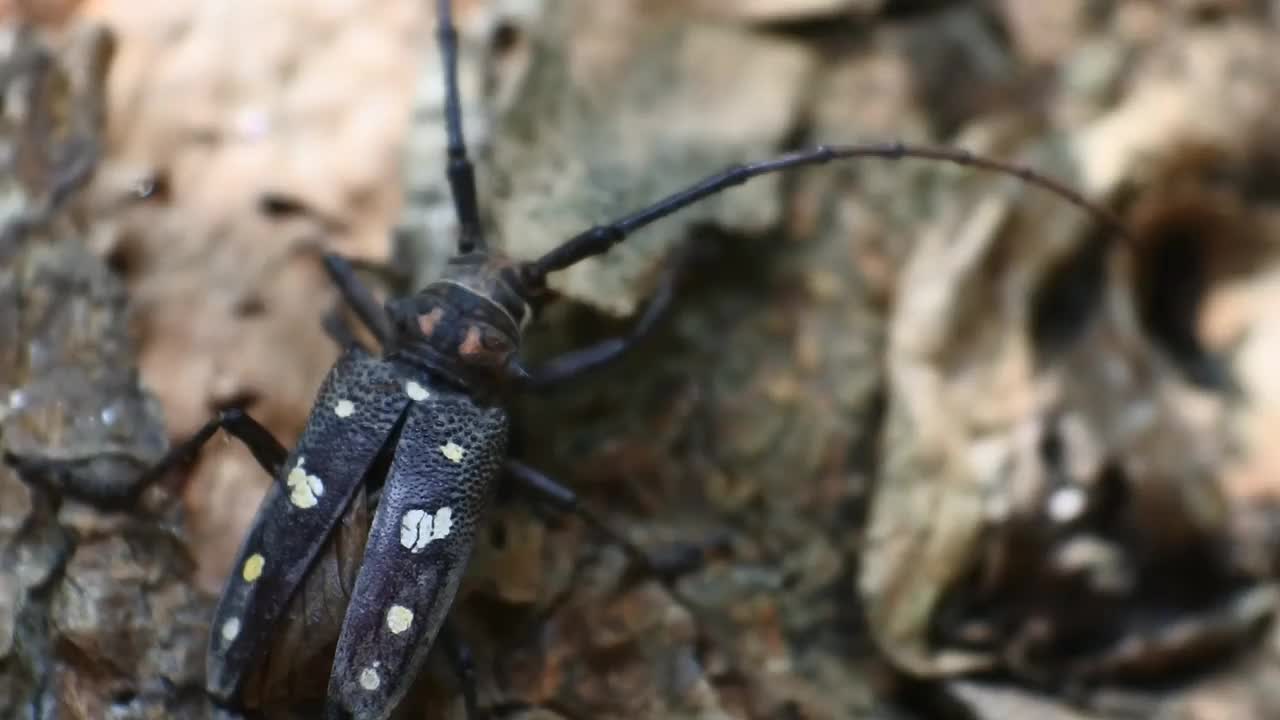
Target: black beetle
(426,421)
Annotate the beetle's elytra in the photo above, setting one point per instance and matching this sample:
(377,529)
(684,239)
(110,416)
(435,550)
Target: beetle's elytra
(423,419)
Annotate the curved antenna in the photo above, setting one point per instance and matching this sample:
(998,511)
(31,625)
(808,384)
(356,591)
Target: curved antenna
(462,181)
(600,238)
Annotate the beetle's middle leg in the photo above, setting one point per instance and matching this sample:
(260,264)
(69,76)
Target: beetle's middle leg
(666,566)
(264,446)
(268,451)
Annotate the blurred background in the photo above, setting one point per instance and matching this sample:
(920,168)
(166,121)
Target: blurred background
(965,451)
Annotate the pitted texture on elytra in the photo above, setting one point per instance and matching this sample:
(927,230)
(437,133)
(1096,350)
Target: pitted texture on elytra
(404,576)
(338,449)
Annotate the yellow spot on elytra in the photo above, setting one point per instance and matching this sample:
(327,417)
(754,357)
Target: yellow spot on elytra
(369,679)
(304,489)
(453,451)
(344,408)
(230,629)
(253,567)
(416,391)
(399,618)
(419,527)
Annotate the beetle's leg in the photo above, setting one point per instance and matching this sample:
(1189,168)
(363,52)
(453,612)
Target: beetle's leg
(458,653)
(666,566)
(359,297)
(268,451)
(339,330)
(576,363)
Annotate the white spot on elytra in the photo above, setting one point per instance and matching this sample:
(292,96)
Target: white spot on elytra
(416,391)
(399,618)
(230,629)
(304,489)
(253,567)
(1066,503)
(419,527)
(344,408)
(453,451)
(369,679)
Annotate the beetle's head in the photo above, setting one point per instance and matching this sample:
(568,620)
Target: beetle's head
(469,323)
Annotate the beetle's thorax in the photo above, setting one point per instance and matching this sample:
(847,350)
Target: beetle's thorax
(468,324)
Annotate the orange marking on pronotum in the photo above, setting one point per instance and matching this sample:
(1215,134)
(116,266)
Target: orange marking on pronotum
(427,323)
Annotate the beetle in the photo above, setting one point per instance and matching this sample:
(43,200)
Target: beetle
(425,419)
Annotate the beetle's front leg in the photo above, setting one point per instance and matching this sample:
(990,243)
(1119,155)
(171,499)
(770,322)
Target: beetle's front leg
(359,297)
(577,363)
(335,325)
(667,566)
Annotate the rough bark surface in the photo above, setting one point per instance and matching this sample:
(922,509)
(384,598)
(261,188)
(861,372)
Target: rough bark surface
(961,449)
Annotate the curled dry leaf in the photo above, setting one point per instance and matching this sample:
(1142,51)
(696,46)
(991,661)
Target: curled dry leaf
(777,11)
(994,702)
(1073,422)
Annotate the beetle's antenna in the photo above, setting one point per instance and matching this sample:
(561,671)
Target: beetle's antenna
(462,180)
(600,238)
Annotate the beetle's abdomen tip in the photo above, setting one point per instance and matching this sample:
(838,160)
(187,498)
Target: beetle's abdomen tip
(220,684)
(344,705)
(334,710)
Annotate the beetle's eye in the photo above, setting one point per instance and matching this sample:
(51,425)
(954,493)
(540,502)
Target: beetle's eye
(495,342)
(484,345)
